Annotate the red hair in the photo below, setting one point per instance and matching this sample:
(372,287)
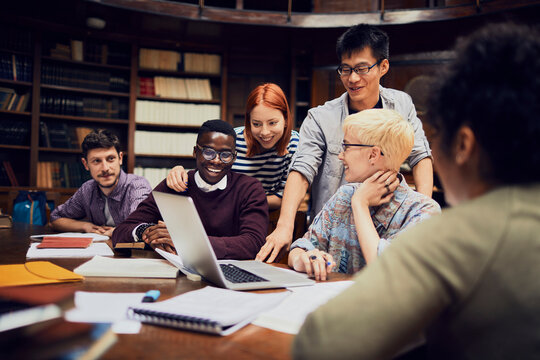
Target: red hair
(272,96)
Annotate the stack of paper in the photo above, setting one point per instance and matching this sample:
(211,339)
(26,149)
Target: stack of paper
(117,267)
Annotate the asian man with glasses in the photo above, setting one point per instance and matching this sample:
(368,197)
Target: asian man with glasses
(232,206)
(363,60)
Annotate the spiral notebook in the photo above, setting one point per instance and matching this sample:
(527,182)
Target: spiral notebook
(208,310)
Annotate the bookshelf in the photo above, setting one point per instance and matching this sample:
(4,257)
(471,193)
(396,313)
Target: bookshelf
(70,80)
(83,85)
(176,92)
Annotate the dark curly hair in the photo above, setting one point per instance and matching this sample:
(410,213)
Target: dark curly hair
(99,139)
(493,86)
(216,126)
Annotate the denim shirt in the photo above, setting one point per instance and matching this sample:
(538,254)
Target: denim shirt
(333,230)
(321,135)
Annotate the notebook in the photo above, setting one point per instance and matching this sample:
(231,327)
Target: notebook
(209,310)
(193,246)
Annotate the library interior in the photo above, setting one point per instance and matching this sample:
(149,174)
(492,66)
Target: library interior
(152,72)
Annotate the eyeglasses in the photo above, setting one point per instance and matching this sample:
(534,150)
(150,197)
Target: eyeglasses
(345,145)
(344,70)
(210,154)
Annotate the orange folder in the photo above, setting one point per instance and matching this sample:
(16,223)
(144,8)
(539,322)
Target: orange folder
(35,272)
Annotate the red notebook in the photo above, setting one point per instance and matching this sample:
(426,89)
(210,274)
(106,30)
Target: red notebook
(64,242)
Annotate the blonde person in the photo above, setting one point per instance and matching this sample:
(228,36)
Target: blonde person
(364,216)
(265,145)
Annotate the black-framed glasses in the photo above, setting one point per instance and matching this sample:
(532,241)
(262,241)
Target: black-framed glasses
(345,145)
(345,70)
(210,154)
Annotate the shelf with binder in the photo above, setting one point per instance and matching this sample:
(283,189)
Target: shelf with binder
(59,135)
(168,99)
(17,113)
(82,103)
(15,83)
(84,91)
(14,147)
(85,119)
(86,63)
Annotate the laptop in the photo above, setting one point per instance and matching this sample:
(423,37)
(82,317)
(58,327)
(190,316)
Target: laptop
(193,246)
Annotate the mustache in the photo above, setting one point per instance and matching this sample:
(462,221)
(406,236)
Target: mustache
(105,174)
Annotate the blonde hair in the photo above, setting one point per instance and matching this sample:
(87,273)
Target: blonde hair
(385,129)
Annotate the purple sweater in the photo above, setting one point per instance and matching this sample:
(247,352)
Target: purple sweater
(235,219)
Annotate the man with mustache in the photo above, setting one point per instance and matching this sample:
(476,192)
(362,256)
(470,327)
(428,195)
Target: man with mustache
(109,197)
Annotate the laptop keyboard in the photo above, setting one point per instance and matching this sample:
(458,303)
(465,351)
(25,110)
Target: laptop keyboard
(237,275)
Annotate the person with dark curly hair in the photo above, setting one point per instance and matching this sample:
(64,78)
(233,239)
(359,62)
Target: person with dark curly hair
(468,279)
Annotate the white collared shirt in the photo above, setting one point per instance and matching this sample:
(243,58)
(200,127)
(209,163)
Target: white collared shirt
(204,186)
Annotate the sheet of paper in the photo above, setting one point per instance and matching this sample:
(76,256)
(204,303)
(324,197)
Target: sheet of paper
(93,250)
(95,307)
(140,268)
(95,237)
(290,314)
(176,261)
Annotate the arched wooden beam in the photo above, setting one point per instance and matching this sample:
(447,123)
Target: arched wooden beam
(310,20)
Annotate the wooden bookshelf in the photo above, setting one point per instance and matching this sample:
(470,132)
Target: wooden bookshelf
(48,46)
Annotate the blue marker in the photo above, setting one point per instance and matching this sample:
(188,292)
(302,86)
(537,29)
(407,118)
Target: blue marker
(151,296)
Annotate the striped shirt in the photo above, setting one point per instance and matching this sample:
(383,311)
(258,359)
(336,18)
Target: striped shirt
(267,167)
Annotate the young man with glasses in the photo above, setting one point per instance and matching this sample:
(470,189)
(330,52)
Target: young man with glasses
(232,206)
(363,54)
(365,215)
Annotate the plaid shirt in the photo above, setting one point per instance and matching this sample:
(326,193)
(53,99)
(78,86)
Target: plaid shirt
(333,228)
(88,202)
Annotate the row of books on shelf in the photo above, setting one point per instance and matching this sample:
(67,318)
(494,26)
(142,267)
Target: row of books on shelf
(203,63)
(54,74)
(7,175)
(15,67)
(14,132)
(13,101)
(177,61)
(61,174)
(153,175)
(168,113)
(73,105)
(89,51)
(168,87)
(60,135)
(164,143)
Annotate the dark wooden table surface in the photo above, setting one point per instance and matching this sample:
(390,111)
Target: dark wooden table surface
(153,342)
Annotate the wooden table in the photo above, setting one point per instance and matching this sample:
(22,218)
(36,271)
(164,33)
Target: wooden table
(251,342)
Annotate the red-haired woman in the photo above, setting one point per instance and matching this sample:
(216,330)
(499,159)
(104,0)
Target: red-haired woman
(265,145)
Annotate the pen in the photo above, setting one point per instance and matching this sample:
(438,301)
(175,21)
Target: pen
(151,296)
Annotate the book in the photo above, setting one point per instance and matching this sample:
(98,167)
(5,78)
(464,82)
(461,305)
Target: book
(59,242)
(209,310)
(117,267)
(10,173)
(6,222)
